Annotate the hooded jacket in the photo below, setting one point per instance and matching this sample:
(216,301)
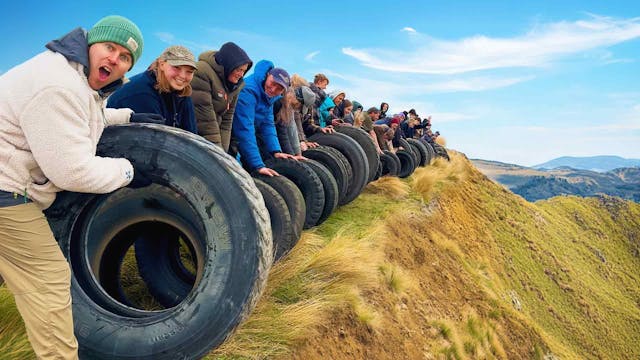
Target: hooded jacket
(253,119)
(214,98)
(50,124)
(140,95)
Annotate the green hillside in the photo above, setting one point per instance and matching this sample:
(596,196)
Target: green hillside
(446,264)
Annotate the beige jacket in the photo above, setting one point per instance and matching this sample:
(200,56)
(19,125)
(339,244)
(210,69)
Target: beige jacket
(50,124)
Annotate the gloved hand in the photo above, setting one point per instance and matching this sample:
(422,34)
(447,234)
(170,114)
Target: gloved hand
(149,118)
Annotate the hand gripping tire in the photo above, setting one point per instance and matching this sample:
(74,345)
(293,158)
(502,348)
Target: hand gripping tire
(407,163)
(204,195)
(366,143)
(336,163)
(307,181)
(357,159)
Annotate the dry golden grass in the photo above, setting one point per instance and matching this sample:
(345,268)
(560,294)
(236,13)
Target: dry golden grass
(389,186)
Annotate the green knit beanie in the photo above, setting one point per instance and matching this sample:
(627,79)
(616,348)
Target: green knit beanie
(119,30)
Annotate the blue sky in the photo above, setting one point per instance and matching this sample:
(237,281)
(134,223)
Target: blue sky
(521,82)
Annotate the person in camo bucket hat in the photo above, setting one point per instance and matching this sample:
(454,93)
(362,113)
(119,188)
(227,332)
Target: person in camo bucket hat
(51,119)
(164,90)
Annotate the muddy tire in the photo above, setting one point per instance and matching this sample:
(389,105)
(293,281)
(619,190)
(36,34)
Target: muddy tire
(307,181)
(366,143)
(357,159)
(203,194)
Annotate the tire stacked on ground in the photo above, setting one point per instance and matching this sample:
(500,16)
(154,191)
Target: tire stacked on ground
(282,230)
(336,163)
(330,187)
(441,151)
(197,192)
(356,157)
(390,163)
(295,204)
(307,181)
(407,163)
(366,143)
(421,150)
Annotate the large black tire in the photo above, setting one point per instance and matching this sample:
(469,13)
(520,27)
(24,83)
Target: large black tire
(379,170)
(307,181)
(281,228)
(200,192)
(330,189)
(295,203)
(407,162)
(432,153)
(357,159)
(408,148)
(336,163)
(420,149)
(390,163)
(366,143)
(441,151)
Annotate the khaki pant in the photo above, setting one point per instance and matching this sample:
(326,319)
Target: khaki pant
(38,275)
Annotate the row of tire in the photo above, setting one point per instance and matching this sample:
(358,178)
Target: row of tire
(334,174)
(202,206)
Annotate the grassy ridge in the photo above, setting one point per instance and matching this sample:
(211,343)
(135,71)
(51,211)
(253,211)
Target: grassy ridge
(446,264)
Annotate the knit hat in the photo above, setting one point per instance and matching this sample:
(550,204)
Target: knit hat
(178,55)
(307,97)
(119,30)
(395,120)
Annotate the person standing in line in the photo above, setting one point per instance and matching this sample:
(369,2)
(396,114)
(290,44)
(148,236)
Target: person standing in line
(51,118)
(163,89)
(216,87)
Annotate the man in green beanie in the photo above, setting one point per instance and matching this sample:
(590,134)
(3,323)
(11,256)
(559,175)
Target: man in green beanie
(51,118)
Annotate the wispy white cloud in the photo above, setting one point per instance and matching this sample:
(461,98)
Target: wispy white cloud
(537,48)
(409,29)
(310,56)
(166,37)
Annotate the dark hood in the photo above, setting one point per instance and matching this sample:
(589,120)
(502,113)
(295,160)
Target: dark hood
(73,46)
(230,56)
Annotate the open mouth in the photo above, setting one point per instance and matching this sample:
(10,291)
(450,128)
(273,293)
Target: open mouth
(104,73)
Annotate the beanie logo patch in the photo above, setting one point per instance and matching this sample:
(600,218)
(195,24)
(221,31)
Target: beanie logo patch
(132,44)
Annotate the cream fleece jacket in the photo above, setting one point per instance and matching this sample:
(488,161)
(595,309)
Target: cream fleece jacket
(50,124)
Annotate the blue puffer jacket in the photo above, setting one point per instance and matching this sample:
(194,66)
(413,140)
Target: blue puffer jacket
(254,118)
(140,96)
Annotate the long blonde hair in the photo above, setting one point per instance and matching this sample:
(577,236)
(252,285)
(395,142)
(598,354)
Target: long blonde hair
(162,84)
(285,115)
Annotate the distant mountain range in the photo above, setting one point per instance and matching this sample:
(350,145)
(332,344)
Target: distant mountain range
(535,184)
(593,163)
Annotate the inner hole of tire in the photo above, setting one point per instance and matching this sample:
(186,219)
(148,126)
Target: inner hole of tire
(154,268)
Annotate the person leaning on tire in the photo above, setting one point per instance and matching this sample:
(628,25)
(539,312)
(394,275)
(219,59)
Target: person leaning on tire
(253,127)
(51,118)
(216,86)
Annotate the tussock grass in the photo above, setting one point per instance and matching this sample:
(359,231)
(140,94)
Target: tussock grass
(389,186)
(13,337)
